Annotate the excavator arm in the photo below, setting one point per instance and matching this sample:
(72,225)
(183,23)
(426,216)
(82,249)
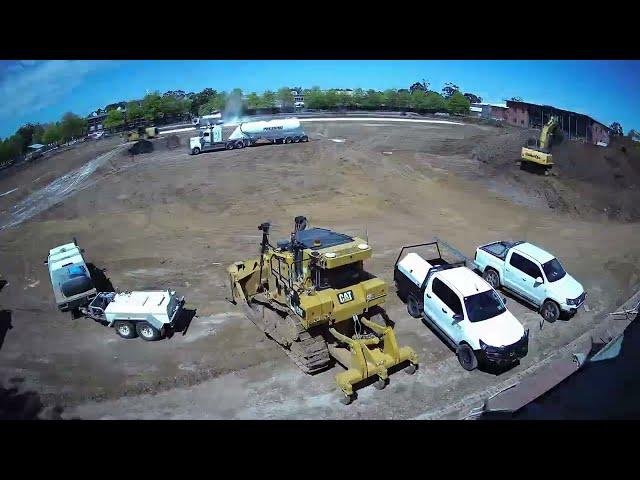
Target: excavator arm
(547,132)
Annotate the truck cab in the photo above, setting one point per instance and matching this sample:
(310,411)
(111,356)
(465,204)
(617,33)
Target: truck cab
(532,274)
(463,308)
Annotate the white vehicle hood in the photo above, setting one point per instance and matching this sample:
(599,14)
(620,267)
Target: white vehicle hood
(501,330)
(566,287)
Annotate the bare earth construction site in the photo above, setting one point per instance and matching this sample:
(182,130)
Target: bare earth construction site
(167,219)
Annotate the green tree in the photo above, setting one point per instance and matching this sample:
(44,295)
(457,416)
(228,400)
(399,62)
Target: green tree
(373,100)
(314,98)
(390,98)
(419,87)
(267,99)
(114,119)
(72,126)
(285,97)
(449,89)
(253,101)
(152,106)
(434,102)
(134,111)
(616,129)
(473,98)
(457,103)
(52,133)
(331,98)
(358,97)
(215,103)
(403,99)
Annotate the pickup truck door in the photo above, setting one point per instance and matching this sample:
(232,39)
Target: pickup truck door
(521,277)
(440,304)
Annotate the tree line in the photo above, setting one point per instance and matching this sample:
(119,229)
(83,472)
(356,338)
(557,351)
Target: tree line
(176,104)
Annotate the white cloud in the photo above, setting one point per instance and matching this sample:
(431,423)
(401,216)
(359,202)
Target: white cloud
(29,86)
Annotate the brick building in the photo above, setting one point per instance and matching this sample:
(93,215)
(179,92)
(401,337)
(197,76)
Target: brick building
(574,125)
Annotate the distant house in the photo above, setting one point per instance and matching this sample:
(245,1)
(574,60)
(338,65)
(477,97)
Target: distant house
(573,124)
(494,111)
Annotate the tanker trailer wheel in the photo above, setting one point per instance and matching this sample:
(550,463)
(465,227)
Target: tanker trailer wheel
(304,138)
(288,140)
(125,329)
(195,151)
(229,146)
(239,144)
(147,331)
(296,139)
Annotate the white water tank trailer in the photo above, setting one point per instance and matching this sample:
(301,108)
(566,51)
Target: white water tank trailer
(288,130)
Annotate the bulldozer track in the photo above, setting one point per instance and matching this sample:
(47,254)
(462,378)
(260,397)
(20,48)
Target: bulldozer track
(309,352)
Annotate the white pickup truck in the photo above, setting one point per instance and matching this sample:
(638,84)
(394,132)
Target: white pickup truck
(531,274)
(70,278)
(146,313)
(467,312)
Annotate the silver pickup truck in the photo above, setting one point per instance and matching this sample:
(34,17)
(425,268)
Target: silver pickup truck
(70,278)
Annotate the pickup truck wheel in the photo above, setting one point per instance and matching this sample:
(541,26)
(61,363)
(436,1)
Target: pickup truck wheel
(466,357)
(125,329)
(550,311)
(195,151)
(412,307)
(147,332)
(492,278)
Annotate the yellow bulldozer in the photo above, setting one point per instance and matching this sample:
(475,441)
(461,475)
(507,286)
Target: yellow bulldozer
(141,132)
(537,153)
(311,294)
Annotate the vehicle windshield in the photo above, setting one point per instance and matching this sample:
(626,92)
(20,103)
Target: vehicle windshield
(553,270)
(340,277)
(483,306)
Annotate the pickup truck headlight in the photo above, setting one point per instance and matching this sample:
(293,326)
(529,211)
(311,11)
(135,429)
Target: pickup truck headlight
(570,301)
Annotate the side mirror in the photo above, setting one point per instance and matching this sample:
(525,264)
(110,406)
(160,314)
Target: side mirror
(457,318)
(539,280)
(46,262)
(504,300)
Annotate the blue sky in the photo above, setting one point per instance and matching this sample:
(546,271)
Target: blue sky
(41,91)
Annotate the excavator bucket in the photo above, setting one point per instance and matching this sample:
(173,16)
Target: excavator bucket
(366,359)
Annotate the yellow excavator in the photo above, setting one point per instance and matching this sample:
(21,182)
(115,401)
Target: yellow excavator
(311,294)
(538,152)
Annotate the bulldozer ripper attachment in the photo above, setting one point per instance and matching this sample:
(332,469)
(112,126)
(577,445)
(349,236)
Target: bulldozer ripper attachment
(363,362)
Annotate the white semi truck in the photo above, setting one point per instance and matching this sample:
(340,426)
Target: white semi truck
(247,134)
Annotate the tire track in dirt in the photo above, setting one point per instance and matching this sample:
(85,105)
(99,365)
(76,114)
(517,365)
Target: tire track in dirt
(54,193)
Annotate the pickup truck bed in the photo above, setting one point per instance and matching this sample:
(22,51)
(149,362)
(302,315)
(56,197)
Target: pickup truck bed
(499,249)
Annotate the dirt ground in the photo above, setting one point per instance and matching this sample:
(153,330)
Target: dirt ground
(171,220)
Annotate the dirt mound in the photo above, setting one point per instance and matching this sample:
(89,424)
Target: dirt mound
(172,141)
(141,146)
(586,178)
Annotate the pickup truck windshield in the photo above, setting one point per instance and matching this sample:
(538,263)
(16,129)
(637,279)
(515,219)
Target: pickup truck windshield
(483,306)
(553,270)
